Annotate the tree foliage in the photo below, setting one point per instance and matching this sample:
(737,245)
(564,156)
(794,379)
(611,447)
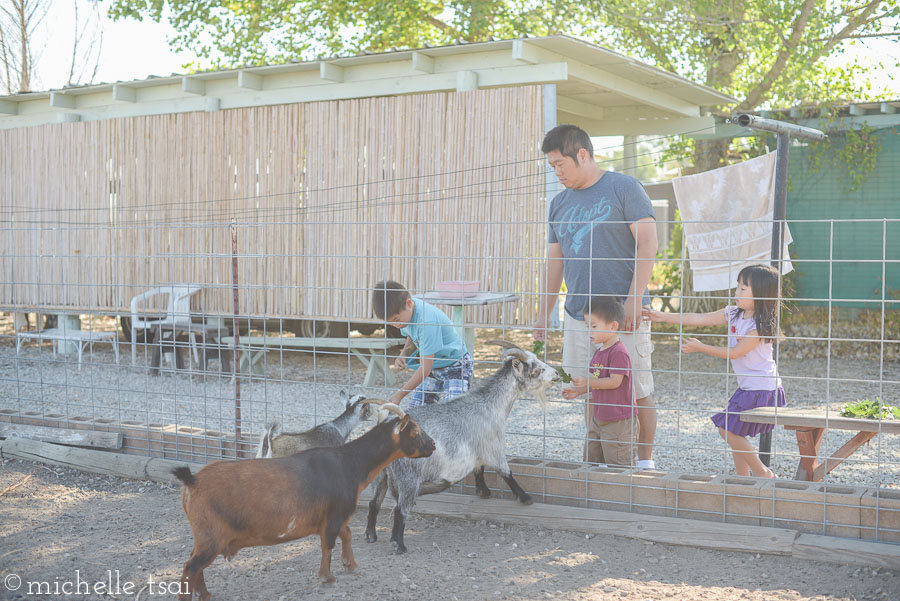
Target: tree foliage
(760,51)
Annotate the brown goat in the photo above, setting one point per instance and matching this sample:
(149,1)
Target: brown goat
(255,502)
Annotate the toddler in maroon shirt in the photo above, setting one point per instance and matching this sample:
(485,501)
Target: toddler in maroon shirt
(612,412)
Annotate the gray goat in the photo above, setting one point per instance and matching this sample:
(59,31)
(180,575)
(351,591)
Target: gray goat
(469,434)
(329,434)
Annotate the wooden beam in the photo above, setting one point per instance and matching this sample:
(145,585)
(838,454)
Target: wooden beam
(888,109)
(466,81)
(124,93)
(422,62)
(9,108)
(250,81)
(193,85)
(644,127)
(80,438)
(212,104)
(62,101)
(331,72)
(68,117)
(577,107)
(815,547)
(98,462)
(411,83)
(857,111)
(525,52)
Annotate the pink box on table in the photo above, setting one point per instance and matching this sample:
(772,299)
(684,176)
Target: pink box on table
(457,288)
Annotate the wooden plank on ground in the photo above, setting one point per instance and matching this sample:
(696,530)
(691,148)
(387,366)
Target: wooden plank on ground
(81,438)
(844,550)
(672,531)
(98,462)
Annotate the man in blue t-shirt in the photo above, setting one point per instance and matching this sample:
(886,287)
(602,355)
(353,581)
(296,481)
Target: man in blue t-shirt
(602,240)
(444,367)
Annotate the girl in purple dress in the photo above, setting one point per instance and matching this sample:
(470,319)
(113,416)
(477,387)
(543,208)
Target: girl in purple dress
(752,328)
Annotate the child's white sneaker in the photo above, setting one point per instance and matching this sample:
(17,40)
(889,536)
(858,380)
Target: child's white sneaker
(646,464)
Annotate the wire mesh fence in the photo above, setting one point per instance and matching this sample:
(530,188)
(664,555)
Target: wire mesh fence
(263,314)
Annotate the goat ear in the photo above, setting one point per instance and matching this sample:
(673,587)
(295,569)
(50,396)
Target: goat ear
(345,397)
(401,425)
(516,363)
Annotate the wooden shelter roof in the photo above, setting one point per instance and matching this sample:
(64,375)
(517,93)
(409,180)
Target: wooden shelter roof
(603,91)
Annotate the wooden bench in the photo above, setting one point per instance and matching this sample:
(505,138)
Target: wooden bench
(365,349)
(810,425)
(81,339)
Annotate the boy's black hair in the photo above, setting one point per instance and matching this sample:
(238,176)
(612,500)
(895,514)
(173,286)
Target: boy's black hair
(607,308)
(568,140)
(389,298)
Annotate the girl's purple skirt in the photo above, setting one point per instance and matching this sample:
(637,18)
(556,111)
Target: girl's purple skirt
(743,400)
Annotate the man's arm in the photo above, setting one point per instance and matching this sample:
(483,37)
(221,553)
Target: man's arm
(644,231)
(552,284)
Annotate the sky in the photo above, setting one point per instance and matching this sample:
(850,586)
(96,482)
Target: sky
(135,50)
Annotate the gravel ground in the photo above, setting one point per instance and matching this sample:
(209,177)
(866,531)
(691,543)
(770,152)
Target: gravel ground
(62,526)
(301,389)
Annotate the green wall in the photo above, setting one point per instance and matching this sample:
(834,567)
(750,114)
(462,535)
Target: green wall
(858,251)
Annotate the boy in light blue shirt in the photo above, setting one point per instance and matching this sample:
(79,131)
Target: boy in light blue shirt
(433,348)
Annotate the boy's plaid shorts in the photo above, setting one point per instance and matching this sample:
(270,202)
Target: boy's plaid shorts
(444,384)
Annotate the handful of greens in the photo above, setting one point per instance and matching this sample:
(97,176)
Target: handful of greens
(868,409)
(538,349)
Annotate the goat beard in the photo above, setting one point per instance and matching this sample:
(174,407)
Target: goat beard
(540,395)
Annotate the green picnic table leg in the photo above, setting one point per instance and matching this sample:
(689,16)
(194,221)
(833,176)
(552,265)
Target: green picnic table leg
(252,362)
(373,364)
(467,335)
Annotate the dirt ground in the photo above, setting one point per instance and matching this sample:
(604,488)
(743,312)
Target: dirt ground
(69,531)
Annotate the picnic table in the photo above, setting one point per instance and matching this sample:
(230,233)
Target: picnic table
(372,352)
(467,334)
(80,338)
(810,425)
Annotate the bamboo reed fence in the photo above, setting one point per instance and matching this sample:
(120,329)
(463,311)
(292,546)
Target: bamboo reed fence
(328,198)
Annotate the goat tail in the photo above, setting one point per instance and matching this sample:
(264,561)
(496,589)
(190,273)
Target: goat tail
(184,474)
(265,442)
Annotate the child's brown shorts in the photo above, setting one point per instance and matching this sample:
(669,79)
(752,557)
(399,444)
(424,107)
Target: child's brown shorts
(612,443)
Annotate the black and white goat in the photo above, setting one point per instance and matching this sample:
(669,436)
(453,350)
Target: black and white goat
(469,434)
(329,434)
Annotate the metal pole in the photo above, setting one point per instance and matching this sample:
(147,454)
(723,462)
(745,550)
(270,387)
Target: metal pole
(784,131)
(550,181)
(779,215)
(236,357)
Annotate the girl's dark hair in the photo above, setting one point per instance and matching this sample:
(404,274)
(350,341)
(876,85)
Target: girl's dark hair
(765,285)
(388,298)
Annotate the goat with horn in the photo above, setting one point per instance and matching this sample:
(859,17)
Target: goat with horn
(469,434)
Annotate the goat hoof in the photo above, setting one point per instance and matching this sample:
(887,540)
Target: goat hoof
(484,494)
(371,537)
(327,579)
(526,500)
(399,549)
(350,566)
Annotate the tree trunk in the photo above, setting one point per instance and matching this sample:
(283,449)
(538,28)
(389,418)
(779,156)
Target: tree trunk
(25,70)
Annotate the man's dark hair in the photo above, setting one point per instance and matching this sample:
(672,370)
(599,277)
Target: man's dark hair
(607,308)
(389,298)
(568,140)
